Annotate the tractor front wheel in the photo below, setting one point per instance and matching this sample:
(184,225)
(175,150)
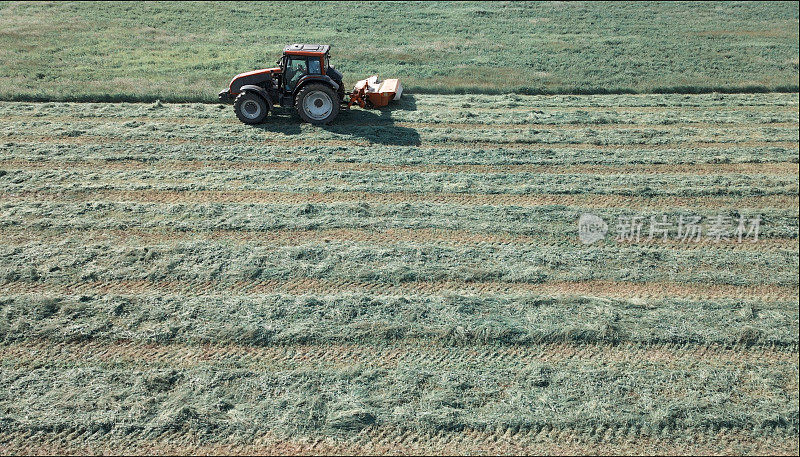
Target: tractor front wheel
(250,108)
(317,104)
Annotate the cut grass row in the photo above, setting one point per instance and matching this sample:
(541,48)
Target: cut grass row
(396,136)
(125,313)
(746,127)
(153,151)
(490,123)
(392,134)
(554,222)
(452,153)
(315,181)
(346,399)
(395,264)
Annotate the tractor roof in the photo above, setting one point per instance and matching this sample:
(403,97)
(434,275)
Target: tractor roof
(307,49)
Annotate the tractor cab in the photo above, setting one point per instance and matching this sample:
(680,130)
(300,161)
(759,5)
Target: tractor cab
(300,61)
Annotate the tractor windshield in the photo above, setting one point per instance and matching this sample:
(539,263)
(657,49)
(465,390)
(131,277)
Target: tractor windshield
(313,66)
(295,70)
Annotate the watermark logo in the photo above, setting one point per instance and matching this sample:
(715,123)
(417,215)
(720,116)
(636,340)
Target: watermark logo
(591,228)
(682,229)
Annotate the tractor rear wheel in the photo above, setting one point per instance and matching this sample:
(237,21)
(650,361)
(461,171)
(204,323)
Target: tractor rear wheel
(250,108)
(317,104)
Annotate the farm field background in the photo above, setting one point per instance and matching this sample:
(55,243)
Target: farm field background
(401,281)
(124,51)
(408,280)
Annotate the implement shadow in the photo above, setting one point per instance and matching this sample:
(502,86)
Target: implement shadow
(375,125)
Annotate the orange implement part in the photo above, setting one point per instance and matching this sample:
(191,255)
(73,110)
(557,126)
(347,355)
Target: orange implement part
(373,93)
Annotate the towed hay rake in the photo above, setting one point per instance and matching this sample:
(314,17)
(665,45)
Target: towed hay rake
(304,79)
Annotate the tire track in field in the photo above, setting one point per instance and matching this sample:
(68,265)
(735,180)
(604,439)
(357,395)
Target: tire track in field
(470,190)
(464,199)
(791,107)
(622,126)
(542,439)
(131,237)
(537,439)
(766,168)
(526,124)
(444,143)
(140,356)
(303,286)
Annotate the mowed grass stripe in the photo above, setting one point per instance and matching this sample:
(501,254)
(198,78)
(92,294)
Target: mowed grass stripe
(594,288)
(466,199)
(766,168)
(406,353)
(401,155)
(452,128)
(638,102)
(10,236)
(261,217)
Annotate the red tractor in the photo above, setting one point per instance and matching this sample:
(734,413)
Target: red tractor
(304,79)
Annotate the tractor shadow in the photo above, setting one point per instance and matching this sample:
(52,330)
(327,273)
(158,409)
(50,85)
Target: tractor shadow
(373,125)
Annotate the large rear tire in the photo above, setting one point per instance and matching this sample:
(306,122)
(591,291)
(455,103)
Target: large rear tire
(317,104)
(250,108)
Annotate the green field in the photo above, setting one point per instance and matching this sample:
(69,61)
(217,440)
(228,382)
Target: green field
(187,52)
(402,281)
